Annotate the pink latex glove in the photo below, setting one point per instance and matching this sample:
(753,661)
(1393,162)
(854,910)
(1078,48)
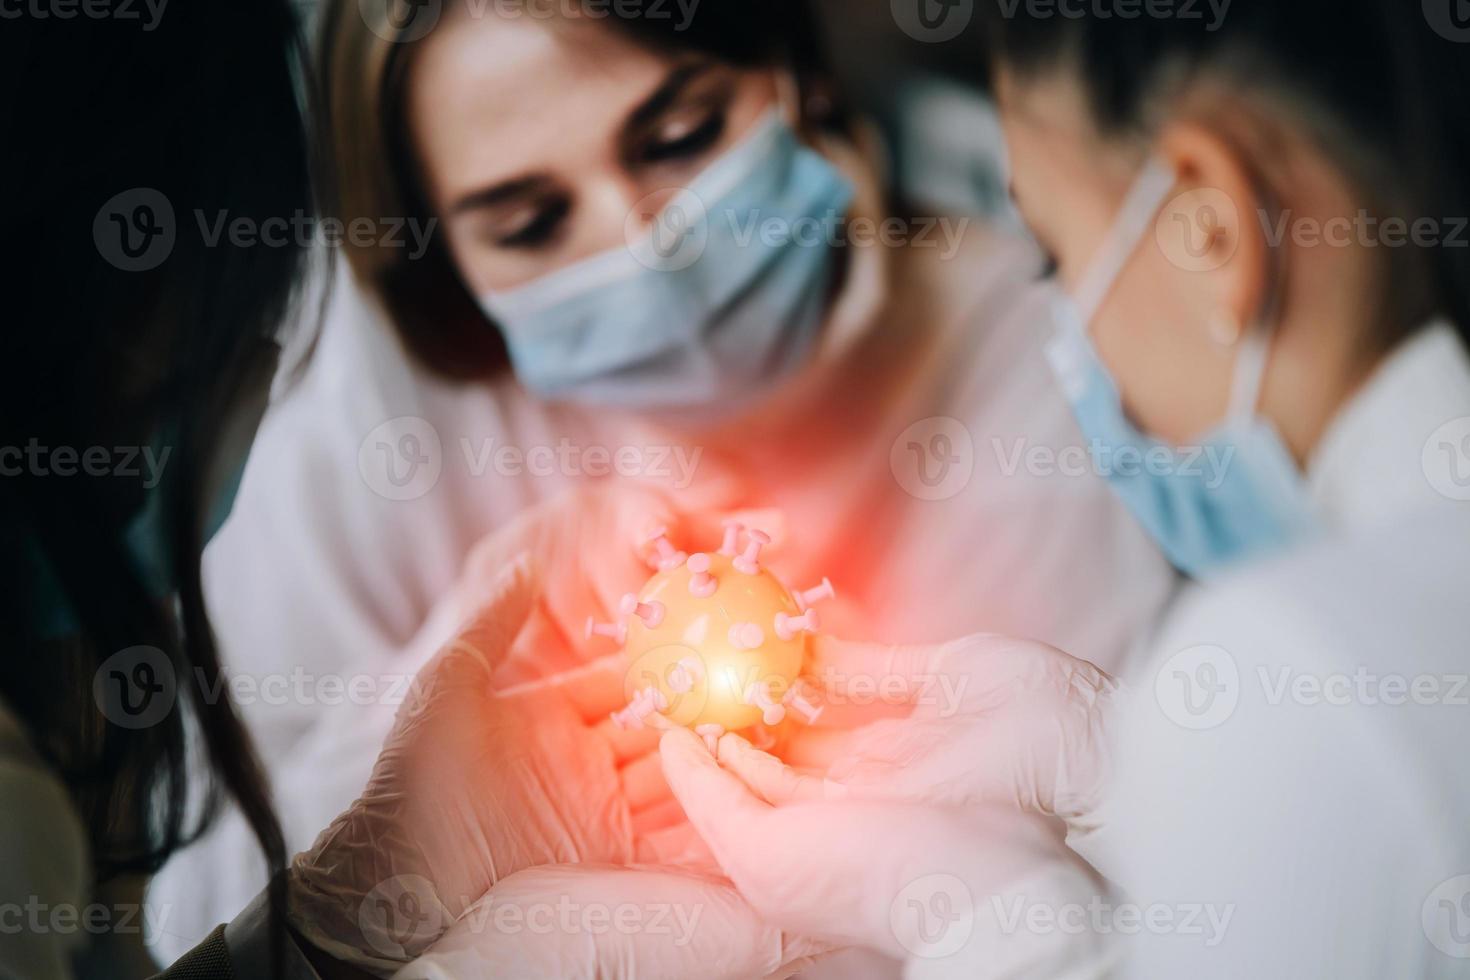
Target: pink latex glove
(582,921)
(990,719)
(475,784)
(939,886)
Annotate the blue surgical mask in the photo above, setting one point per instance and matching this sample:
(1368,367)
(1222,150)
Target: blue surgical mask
(1235,495)
(722,299)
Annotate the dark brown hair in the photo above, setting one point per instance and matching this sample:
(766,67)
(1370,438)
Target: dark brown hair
(201,108)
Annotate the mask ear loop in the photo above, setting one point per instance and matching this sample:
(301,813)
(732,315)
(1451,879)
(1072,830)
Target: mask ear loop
(1142,203)
(788,99)
(1255,351)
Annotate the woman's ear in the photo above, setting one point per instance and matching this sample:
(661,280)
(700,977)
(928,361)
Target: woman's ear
(1213,228)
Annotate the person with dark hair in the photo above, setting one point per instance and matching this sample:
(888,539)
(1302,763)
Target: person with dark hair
(1257,229)
(134,355)
(570,319)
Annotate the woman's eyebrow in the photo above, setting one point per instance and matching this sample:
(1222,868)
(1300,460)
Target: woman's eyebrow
(498,193)
(668,92)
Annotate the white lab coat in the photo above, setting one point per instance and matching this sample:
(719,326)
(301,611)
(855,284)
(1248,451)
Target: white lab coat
(317,571)
(1324,824)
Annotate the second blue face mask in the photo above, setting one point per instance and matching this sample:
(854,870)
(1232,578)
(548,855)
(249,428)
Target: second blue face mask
(1238,494)
(724,297)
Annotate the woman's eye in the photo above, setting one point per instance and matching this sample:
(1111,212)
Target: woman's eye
(679,140)
(536,227)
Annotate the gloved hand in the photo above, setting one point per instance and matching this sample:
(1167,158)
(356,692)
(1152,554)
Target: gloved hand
(949,888)
(583,921)
(474,784)
(991,720)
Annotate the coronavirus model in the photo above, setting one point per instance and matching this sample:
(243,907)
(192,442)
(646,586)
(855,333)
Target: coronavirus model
(715,642)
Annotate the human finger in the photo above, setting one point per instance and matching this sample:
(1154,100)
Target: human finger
(654,821)
(768,776)
(483,641)
(818,748)
(721,807)
(901,672)
(628,744)
(594,690)
(643,783)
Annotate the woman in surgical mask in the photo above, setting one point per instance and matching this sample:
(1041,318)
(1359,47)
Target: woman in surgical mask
(658,252)
(1263,301)
(662,253)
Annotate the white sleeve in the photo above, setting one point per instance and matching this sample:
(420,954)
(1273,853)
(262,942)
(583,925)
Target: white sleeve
(44,869)
(1263,833)
(1033,929)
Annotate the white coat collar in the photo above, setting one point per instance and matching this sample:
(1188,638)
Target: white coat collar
(1398,445)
